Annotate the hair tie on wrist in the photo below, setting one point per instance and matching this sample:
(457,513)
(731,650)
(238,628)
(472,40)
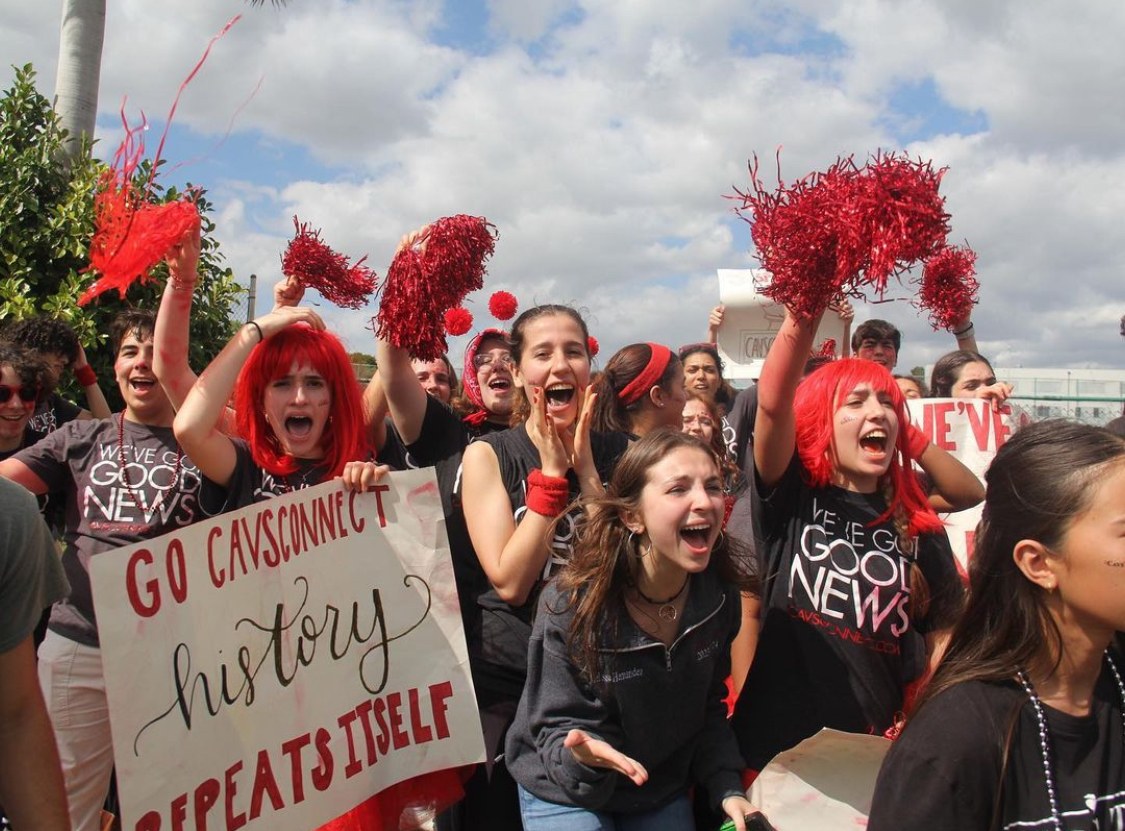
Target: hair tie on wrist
(964,332)
(546,495)
(85,376)
(254,323)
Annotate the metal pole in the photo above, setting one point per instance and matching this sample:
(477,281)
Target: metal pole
(253,295)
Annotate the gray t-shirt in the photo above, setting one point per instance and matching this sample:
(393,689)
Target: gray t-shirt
(105,511)
(31,576)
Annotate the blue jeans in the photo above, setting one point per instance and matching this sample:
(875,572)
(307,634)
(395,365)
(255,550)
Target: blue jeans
(541,815)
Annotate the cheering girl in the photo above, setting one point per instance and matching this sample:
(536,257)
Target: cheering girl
(623,707)
(641,389)
(518,484)
(859,581)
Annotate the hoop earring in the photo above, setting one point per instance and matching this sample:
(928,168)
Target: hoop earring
(720,541)
(637,554)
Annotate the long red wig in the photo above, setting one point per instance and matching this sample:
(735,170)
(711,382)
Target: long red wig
(818,398)
(343,436)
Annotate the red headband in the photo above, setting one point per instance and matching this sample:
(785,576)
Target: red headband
(655,367)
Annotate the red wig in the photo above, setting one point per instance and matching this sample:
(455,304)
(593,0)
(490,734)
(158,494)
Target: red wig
(818,398)
(343,437)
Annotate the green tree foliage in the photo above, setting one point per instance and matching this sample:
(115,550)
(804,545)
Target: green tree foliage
(47,220)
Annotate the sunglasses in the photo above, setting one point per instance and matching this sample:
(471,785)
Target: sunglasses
(28,395)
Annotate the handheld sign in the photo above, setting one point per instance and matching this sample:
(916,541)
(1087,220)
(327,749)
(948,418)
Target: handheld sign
(278,665)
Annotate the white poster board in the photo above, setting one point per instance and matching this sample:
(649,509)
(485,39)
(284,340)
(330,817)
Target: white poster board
(823,784)
(972,432)
(278,665)
(751,321)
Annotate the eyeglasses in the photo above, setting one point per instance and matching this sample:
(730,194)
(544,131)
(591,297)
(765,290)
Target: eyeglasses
(481,361)
(27,395)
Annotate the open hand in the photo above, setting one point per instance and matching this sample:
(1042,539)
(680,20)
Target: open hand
(598,754)
(554,458)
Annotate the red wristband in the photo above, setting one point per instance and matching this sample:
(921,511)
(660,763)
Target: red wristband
(85,376)
(547,495)
(916,441)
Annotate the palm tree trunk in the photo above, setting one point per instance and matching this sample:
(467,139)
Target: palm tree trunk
(79,71)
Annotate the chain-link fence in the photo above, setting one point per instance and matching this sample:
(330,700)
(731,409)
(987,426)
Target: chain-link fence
(1095,410)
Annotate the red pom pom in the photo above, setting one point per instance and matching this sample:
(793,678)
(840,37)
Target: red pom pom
(422,284)
(592,346)
(840,231)
(949,288)
(130,234)
(318,267)
(827,348)
(458,321)
(503,305)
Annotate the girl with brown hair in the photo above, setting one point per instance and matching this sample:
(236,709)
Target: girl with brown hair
(622,711)
(1022,725)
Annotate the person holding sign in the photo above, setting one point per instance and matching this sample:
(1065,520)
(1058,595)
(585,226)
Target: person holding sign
(860,584)
(964,374)
(297,406)
(623,708)
(1022,724)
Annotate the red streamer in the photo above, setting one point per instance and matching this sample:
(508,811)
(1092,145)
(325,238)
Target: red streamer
(131,235)
(458,321)
(503,305)
(430,277)
(827,348)
(317,266)
(845,230)
(949,287)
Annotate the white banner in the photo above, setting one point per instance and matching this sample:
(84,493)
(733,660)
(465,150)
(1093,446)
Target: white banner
(278,665)
(969,430)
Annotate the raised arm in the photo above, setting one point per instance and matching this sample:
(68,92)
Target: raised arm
(97,406)
(775,429)
(955,487)
(173,322)
(198,424)
(397,383)
(966,334)
(715,322)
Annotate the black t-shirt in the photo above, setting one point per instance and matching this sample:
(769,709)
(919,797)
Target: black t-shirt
(441,444)
(947,773)
(743,414)
(837,644)
(50,414)
(505,629)
(250,484)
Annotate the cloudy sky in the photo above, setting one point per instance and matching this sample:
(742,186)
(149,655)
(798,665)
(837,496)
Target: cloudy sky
(600,137)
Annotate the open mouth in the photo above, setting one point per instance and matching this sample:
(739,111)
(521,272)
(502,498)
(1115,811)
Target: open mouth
(298,427)
(142,385)
(874,443)
(559,395)
(697,536)
(500,384)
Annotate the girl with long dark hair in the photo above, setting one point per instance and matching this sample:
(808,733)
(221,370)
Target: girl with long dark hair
(518,486)
(623,708)
(1022,724)
(641,389)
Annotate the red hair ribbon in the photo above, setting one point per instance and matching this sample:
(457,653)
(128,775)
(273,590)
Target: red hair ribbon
(639,386)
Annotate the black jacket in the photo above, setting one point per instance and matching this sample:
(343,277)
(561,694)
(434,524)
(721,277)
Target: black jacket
(662,706)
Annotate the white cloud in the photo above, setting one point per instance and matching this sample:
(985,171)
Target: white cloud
(602,153)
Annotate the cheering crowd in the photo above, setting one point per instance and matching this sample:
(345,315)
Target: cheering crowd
(664,582)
